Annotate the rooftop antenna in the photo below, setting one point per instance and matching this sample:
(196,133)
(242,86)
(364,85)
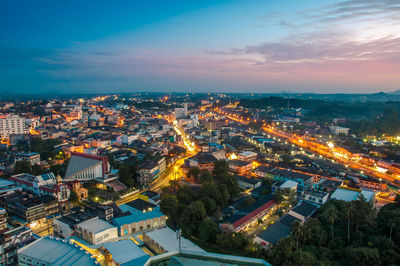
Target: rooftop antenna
(179,236)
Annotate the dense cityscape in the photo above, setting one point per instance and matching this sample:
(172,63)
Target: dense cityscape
(200,133)
(153,178)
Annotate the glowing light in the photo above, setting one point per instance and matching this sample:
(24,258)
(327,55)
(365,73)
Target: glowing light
(330,145)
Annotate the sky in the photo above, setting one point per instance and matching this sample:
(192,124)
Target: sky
(263,46)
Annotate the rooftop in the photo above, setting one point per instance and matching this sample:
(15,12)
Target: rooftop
(95,225)
(305,209)
(125,251)
(350,195)
(166,238)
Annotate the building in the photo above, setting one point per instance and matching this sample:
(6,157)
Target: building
(249,215)
(80,192)
(32,157)
(150,196)
(10,240)
(140,216)
(247,156)
(12,125)
(189,257)
(96,231)
(304,210)
(262,171)
(276,231)
(165,240)
(124,252)
(350,194)
(31,208)
(248,183)
(239,166)
(315,196)
(336,130)
(53,251)
(202,160)
(64,226)
(148,173)
(42,185)
(84,167)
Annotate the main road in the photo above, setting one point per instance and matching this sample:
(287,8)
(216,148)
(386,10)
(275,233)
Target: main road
(171,173)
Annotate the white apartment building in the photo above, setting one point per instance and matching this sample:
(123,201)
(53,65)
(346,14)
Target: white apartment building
(12,124)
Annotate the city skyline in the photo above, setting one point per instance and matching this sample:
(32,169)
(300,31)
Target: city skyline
(208,46)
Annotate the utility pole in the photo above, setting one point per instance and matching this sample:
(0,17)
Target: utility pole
(179,236)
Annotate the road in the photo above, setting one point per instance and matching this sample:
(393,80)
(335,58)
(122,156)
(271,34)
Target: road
(172,172)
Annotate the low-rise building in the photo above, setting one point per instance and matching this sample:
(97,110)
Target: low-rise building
(64,226)
(239,166)
(315,196)
(249,215)
(140,216)
(96,231)
(32,157)
(165,240)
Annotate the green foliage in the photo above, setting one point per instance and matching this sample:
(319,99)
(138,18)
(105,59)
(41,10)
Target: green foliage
(127,175)
(359,237)
(208,230)
(44,147)
(22,167)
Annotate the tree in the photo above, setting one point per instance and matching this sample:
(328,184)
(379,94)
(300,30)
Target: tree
(349,212)
(22,167)
(298,232)
(249,201)
(169,206)
(185,195)
(209,204)
(208,230)
(206,177)
(194,173)
(220,168)
(333,215)
(362,256)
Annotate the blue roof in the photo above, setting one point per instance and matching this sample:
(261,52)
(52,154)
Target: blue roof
(136,215)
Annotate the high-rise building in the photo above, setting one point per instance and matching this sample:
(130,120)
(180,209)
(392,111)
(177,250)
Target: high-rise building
(12,124)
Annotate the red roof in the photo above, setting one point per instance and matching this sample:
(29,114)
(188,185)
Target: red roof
(21,181)
(254,213)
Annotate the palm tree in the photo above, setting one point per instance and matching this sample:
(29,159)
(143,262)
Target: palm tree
(298,232)
(333,215)
(349,214)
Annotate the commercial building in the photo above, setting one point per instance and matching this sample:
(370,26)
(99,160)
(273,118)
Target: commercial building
(10,240)
(96,231)
(12,124)
(140,216)
(53,251)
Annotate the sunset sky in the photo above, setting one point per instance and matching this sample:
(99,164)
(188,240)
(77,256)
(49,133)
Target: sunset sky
(199,46)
